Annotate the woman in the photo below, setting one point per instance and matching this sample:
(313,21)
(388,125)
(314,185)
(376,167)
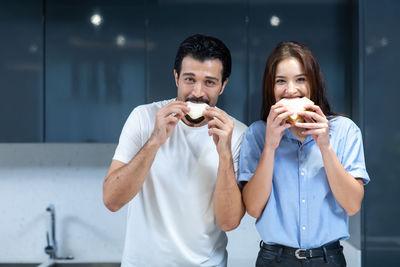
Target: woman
(301,182)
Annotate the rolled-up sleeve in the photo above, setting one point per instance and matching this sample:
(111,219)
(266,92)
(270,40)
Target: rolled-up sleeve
(353,157)
(250,152)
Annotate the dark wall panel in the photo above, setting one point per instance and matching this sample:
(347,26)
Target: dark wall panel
(382,133)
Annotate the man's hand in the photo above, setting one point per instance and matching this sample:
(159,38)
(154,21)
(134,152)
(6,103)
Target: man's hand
(166,120)
(220,127)
(228,205)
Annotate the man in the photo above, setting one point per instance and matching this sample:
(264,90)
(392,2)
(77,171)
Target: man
(178,173)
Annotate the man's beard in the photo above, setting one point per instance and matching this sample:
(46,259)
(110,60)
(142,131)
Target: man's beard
(196,121)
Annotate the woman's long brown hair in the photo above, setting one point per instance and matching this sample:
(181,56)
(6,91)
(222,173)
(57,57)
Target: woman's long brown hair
(312,71)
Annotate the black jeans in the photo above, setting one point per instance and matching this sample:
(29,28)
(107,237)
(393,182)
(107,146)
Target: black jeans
(280,256)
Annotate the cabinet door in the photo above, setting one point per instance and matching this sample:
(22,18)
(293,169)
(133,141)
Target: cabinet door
(21,71)
(95,63)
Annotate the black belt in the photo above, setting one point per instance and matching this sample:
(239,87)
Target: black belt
(301,254)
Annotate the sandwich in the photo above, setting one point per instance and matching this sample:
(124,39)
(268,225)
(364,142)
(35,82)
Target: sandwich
(295,105)
(196,110)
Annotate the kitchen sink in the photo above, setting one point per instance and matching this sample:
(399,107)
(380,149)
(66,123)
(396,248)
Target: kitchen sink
(83,264)
(79,264)
(63,264)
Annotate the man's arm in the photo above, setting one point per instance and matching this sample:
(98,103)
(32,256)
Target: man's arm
(228,205)
(123,181)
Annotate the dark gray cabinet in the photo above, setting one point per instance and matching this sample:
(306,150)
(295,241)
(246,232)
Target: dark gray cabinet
(95,68)
(21,71)
(87,64)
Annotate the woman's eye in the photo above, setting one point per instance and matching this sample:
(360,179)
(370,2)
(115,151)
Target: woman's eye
(280,81)
(302,79)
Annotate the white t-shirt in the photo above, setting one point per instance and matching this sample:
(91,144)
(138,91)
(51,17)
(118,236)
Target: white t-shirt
(171,220)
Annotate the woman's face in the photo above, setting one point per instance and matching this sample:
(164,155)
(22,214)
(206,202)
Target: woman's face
(290,80)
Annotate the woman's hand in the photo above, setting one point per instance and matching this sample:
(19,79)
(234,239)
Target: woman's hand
(317,125)
(275,125)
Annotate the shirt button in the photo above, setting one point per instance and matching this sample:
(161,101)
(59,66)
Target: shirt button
(303,201)
(303,228)
(302,173)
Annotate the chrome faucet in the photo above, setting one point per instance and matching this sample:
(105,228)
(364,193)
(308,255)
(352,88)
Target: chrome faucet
(51,248)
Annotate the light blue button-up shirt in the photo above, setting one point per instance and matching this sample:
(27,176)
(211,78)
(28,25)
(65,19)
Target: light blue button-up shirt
(302,211)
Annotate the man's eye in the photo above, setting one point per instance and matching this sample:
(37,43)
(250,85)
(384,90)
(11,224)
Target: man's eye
(210,83)
(188,79)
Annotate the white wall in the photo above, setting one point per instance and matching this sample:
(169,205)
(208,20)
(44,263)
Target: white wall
(70,176)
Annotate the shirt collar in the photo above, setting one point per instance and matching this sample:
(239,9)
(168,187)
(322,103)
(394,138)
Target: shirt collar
(287,134)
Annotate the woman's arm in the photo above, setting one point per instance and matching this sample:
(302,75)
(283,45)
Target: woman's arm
(257,191)
(347,190)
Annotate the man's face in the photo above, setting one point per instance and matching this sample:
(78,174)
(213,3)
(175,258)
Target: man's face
(200,82)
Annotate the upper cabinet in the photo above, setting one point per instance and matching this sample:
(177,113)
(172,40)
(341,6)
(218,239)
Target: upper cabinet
(21,71)
(72,71)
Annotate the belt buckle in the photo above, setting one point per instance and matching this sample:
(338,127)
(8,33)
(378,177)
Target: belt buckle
(297,254)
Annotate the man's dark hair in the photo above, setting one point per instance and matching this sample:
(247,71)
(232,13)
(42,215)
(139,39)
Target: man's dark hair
(201,47)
